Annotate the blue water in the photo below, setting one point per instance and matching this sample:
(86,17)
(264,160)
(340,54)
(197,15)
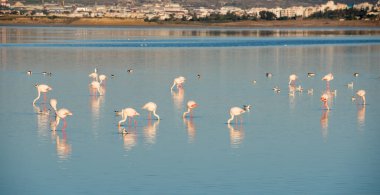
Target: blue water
(285,145)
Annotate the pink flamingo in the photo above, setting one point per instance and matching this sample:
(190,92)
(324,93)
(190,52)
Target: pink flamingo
(190,106)
(292,79)
(96,85)
(60,114)
(151,107)
(179,82)
(236,111)
(102,78)
(324,99)
(41,88)
(128,112)
(328,78)
(94,75)
(361,93)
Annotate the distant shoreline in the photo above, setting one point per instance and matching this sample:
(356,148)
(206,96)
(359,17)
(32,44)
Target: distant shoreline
(121,22)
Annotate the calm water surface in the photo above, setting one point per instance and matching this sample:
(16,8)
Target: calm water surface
(286,145)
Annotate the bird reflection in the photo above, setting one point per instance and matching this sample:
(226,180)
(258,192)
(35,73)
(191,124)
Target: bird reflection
(325,123)
(361,115)
(42,119)
(178,97)
(150,132)
(292,90)
(191,130)
(96,102)
(129,137)
(236,135)
(63,148)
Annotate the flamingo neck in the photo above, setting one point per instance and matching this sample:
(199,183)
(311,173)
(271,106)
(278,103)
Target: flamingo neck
(184,114)
(123,118)
(232,118)
(38,97)
(57,119)
(154,113)
(173,86)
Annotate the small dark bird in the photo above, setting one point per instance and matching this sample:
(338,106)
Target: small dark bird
(268,75)
(46,73)
(247,107)
(276,89)
(112,75)
(310,74)
(356,74)
(199,76)
(29,72)
(130,70)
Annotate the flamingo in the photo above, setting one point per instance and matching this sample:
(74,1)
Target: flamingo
(178,81)
(102,78)
(96,85)
(292,79)
(236,111)
(60,114)
(361,93)
(94,75)
(151,107)
(41,88)
(128,112)
(190,106)
(328,78)
(324,99)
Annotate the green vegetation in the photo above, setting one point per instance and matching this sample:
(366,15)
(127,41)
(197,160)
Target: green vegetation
(348,14)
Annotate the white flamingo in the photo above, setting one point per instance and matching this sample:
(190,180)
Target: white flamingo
(236,111)
(127,112)
(361,93)
(41,88)
(102,78)
(292,79)
(179,82)
(151,107)
(60,114)
(328,78)
(94,75)
(324,99)
(96,85)
(190,106)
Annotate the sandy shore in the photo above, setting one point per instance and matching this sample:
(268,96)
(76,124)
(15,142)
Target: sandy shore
(46,21)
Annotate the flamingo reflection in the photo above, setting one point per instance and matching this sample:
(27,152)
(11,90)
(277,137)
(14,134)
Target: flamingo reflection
(361,115)
(191,130)
(150,131)
(62,146)
(42,119)
(236,135)
(178,97)
(325,124)
(129,137)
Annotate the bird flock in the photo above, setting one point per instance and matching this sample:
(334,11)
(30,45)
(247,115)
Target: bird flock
(99,80)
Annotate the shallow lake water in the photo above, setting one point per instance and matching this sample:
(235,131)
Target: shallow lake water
(284,145)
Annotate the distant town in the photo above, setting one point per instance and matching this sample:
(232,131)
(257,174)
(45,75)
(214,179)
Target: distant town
(177,12)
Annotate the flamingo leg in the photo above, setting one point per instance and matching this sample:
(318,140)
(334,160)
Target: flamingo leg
(191,113)
(150,116)
(363,98)
(135,121)
(45,97)
(64,124)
